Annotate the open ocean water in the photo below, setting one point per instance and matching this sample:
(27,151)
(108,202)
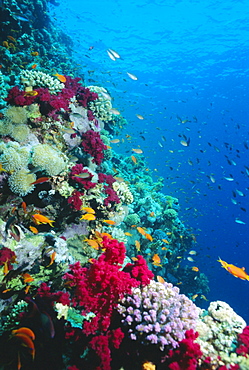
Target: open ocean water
(191,59)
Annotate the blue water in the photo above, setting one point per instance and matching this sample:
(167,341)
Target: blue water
(191,59)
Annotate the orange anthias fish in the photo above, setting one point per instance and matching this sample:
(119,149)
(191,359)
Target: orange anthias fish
(88,209)
(33,229)
(27,278)
(31,93)
(40,219)
(137,245)
(156,260)
(109,222)
(26,336)
(160,279)
(141,230)
(60,77)
(234,270)
(148,236)
(134,159)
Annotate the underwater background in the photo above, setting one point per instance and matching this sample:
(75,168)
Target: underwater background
(191,60)
(124,185)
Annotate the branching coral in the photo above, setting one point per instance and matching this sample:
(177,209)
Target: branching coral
(40,79)
(218,330)
(157,314)
(101,107)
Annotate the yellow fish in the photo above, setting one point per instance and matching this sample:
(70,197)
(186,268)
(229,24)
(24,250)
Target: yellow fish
(88,209)
(88,217)
(138,246)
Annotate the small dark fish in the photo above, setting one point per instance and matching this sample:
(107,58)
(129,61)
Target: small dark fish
(243,209)
(245,145)
(15,232)
(47,324)
(20,17)
(9,222)
(35,169)
(78,115)
(216,149)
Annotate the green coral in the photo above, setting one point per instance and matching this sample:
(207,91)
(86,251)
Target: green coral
(48,159)
(170,214)
(171,201)
(12,320)
(72,315)
(13,156)
(65,189)
(132,219)
(16,115)
(20,182)
(20,132)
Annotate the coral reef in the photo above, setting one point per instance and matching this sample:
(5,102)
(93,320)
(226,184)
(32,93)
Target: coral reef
(74,214)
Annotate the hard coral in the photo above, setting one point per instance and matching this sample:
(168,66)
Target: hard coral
(157,314)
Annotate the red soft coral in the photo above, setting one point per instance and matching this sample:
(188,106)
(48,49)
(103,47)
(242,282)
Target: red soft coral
(186,356)
(7,256)
(18,97)
(93,145)
(85,182)
(75,200)
(243,340)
